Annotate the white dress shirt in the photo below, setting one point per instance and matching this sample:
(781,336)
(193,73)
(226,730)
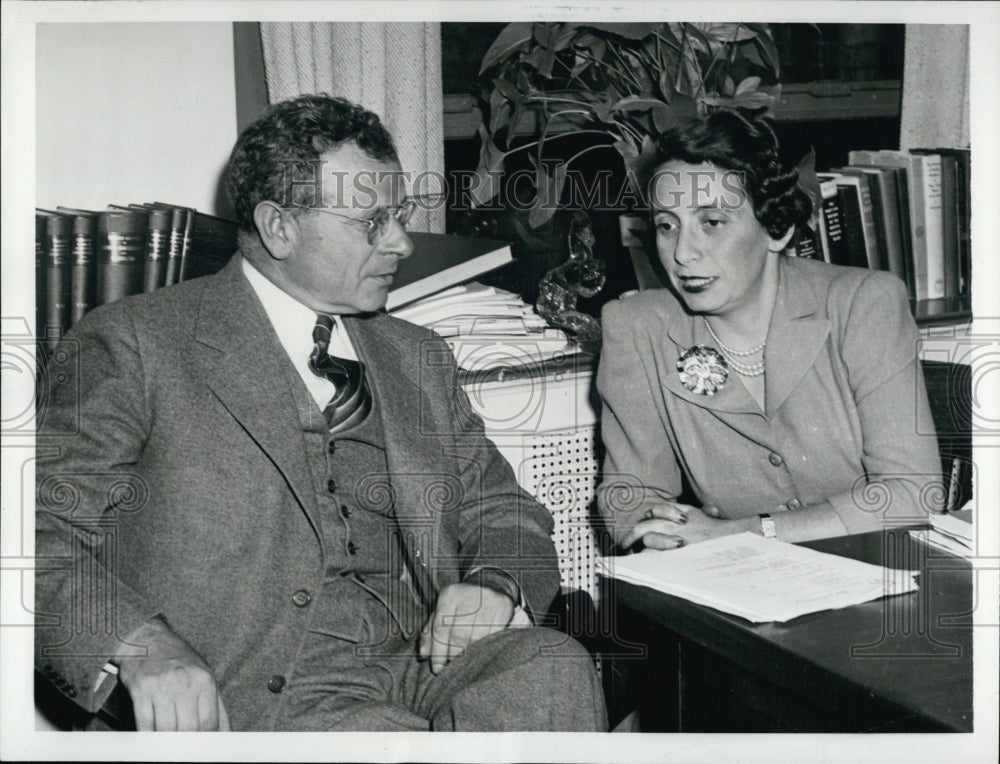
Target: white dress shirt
(293,322)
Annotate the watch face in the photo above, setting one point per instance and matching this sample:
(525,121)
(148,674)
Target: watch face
(767,528)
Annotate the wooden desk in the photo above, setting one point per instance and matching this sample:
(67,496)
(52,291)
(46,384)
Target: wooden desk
(895,664)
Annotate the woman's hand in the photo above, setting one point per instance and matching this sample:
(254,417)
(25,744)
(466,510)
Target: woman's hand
(671,526)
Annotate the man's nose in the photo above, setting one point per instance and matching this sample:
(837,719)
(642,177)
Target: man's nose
(396,240)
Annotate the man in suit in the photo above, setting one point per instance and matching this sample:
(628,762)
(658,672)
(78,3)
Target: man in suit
(265,504)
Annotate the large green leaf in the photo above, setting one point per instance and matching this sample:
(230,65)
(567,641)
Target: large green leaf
(512,38)
(720,33)
(637,103)
(769,53)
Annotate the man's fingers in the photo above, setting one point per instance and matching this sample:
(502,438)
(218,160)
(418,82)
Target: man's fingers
(208,712)
(223,715)
(640,529)
(164,714)
(142,708)
(655,540)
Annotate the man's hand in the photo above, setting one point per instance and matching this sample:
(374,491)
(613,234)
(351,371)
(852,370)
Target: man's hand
(671,526)
(464,614)
(172,688)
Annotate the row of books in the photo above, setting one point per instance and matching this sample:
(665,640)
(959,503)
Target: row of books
(906,212)
(86,258)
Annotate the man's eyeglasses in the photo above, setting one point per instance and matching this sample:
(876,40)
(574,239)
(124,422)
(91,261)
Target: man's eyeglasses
(378,222)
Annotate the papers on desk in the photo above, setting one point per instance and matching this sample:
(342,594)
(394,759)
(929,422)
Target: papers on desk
(950,531)
(759,579)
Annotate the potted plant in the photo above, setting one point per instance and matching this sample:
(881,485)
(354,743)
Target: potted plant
(619,84)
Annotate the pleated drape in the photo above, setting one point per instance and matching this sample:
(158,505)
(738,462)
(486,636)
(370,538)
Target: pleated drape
(393,69)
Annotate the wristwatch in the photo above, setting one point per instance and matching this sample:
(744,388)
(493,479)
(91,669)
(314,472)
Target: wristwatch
(767,529)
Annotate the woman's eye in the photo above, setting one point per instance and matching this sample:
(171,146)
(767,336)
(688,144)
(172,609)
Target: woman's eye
(665,227)
(714,222)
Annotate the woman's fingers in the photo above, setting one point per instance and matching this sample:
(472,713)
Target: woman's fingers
(677,513)
(656,540)
(641,529)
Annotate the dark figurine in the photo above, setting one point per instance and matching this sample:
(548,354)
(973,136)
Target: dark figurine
(580,276)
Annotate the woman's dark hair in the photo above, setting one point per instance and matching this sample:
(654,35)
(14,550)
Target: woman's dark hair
(292,135)
(744,142)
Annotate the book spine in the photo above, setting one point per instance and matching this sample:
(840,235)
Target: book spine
(931,197)
(83,269)
(122,236)
(157,249)
(949,226)
(870,225)
(831,226)
(178,225)
(854,235)
(41,273)
(59,234)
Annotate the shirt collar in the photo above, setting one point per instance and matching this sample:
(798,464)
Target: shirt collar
(293,322)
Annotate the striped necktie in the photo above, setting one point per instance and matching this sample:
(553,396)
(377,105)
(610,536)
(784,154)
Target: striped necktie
(351,399)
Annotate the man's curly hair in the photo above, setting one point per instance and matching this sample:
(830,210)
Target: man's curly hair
(741,141)
(293,134)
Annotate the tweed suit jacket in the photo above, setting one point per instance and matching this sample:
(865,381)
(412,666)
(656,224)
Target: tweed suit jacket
(845,420)
(173,480)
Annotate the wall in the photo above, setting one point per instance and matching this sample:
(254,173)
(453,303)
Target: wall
(133,112)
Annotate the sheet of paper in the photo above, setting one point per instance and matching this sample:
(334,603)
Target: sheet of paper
(759,579)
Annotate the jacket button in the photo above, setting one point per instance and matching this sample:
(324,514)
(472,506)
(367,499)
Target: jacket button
(713,511)
(276,683)
(776,460)
(301,598)
(331,447)
(331,485)
(345,511)
(794,504)
(352,548)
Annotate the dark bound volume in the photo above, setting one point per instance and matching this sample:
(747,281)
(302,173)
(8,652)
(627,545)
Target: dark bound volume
(179,230)
(41,272)
(58,249)
(122,238)
(959,207)
(158,236)
(83,266)
(211,241)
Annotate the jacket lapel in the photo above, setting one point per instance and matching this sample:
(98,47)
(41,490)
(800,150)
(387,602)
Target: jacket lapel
(248,370)
(795,336)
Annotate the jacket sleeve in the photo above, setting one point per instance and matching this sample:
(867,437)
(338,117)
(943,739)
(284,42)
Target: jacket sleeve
(503,534)
(91,430)
(878,345)
(638,454)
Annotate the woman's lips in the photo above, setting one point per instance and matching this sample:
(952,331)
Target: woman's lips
(696,283)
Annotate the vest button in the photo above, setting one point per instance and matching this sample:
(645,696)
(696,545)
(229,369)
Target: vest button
(331,447)
(794,504)
(352,548)
(776,460)
(345,511)
(276,683)
(331,486)
(301,598)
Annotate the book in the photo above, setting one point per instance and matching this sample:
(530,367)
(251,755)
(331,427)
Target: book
(41,228)
(958,162)
(440,261)
(158,234)
(852,223)
(121,237)
(759,579)
(870,228)
(831,226)
(58,248)
(950,531)
(175,240)
(209,242)
(83,265)
(925,210)
(885,207)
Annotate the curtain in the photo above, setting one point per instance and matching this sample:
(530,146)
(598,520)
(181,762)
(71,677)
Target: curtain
(935,87)
(393,69)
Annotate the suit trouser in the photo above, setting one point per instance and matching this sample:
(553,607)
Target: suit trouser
(516,679)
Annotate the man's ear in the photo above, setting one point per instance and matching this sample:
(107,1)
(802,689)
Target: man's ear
(776,245)
(277,228)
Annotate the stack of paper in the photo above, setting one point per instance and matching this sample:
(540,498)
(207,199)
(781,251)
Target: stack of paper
(759,579)
(486,326)
(951,531)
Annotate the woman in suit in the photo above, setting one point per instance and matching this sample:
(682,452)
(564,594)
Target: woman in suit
(781,394)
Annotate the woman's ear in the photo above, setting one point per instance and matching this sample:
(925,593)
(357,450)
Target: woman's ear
(277,228)
(777,245)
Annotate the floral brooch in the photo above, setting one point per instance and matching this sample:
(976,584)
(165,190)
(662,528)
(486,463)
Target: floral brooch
(702,370)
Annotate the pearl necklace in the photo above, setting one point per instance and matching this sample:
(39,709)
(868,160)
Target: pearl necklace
(731,355)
